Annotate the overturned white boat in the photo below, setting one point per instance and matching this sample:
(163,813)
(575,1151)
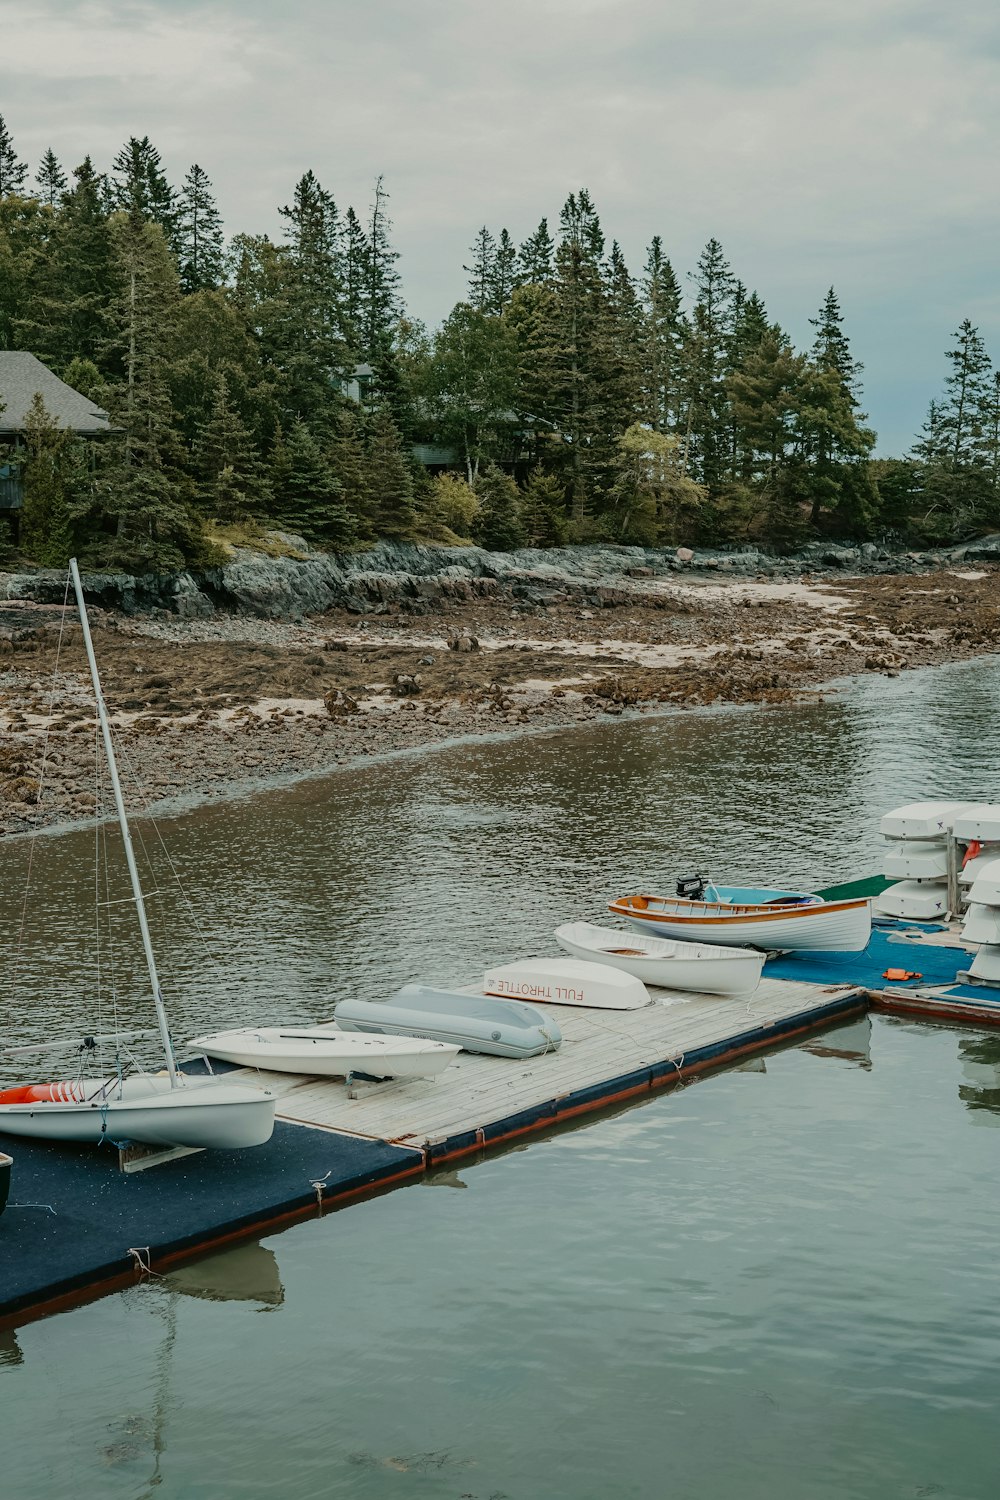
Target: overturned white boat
(328,1051)
(476,1023)
(705,968)
(567,981)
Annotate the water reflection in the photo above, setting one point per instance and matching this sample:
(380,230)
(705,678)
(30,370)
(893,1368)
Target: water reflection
(980,1061)
(850,1043)
(244,1273)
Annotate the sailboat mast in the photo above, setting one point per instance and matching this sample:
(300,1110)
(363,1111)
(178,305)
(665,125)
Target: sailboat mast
(133,873)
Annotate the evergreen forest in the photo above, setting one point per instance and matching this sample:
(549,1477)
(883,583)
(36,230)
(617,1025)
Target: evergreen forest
(260,385)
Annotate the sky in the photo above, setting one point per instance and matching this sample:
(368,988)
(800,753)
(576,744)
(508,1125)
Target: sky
(849,143)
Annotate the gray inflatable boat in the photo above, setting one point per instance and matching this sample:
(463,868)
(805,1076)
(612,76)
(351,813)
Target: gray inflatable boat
(477,1023)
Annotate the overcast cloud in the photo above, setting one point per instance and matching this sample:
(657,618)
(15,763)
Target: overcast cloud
(844,142)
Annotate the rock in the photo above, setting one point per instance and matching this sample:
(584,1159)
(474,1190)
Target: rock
(684,555)
(427,661)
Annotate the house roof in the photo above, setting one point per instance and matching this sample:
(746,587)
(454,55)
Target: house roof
(22,375)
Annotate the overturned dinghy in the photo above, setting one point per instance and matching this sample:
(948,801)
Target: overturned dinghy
(326,1051)
(476,1023)
(705,968)
(567,981)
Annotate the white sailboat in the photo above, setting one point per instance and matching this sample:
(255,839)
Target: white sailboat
(327,1051)
(162,1109)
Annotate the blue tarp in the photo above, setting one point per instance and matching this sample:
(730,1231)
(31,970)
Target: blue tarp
(886,950)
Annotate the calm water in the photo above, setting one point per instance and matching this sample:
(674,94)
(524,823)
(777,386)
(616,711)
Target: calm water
(772,1283)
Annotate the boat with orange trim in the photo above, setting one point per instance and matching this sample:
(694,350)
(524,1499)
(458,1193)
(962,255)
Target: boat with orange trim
(750,917)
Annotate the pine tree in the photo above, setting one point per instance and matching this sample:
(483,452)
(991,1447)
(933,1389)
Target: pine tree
(349,465)
(311,349)
(143,492)
(51,179)
(497,525)
(307,495)
(12,170)
(541,513)
(68,297)
(504,276)
(230,471)
(534,261)
(380,299)
(139,186)
(964,418)
(624,333)
(706,366)
(390,480)
(356,257)
(48,472)
(199,233)
(662,337)
(483,252)
(764,393)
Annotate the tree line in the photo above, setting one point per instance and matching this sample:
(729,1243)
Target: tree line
(280,383)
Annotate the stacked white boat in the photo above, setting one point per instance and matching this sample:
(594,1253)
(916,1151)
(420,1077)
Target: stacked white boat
(978,826)
(916,859)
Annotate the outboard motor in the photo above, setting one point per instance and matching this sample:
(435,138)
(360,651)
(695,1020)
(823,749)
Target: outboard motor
(691,887)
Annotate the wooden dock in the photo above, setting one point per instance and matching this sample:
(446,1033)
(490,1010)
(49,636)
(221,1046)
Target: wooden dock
(606,1057)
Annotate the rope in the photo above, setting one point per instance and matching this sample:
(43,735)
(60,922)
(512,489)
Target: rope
(142,1262)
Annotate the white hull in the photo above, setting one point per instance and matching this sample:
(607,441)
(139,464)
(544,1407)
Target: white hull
(327,1051)
(202,1113)
(982,925)
(921,820)
(981,820)
(913,901)
(706,969)
(986,964)
(916,861)
(820,926)
(986,886)
(566,981)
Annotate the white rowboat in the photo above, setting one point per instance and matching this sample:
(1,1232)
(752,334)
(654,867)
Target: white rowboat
(914,901)
(328,1051)
(566,981)
(744,917)
(705,968)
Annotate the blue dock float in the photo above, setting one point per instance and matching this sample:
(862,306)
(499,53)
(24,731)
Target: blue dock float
(77,1226)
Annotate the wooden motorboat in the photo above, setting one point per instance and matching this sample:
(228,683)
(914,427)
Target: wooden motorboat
(154,1109)
(328,1050)
(474,1022)
(567,981)
(6,1163)
(745,916)
(705,968)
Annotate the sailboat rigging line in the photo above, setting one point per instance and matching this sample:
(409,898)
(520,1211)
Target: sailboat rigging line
(41,788)
(145,804)
(133,872)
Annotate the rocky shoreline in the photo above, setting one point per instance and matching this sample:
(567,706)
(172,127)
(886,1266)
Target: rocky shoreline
(215,695)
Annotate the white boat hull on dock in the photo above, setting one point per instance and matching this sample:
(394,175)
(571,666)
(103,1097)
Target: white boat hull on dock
(202,1113)
(328,1051)
(703,968)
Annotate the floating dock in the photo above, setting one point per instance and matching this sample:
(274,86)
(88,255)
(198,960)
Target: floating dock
(77,1226)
